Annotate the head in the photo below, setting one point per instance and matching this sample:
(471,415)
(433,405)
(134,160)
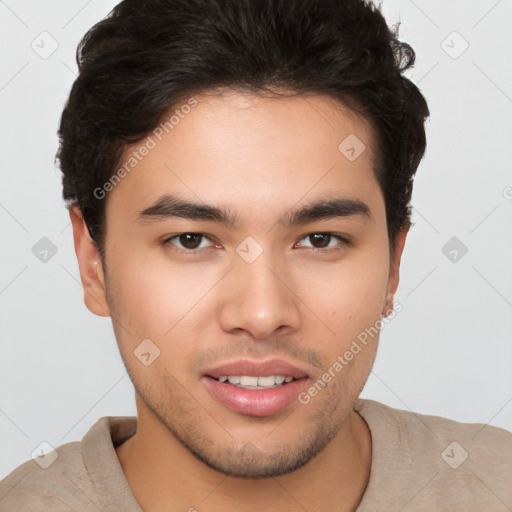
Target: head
(282,122)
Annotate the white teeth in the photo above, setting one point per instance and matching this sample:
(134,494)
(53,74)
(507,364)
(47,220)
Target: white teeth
(246,381)
(265,381)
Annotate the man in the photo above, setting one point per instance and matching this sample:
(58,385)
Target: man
(239,176)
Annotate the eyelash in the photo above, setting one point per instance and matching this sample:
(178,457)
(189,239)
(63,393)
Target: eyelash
(344,241)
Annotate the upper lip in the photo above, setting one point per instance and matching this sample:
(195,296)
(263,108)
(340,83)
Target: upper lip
(254,368)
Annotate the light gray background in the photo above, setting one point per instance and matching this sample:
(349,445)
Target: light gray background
(447,353)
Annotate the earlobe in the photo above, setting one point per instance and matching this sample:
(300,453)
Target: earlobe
(394,271)
(90,265)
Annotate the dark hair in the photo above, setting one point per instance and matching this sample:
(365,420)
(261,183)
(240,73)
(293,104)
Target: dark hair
(148,55)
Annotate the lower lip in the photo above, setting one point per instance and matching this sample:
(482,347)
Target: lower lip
(258,402)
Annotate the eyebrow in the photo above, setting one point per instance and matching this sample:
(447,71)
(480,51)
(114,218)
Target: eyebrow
(169,206)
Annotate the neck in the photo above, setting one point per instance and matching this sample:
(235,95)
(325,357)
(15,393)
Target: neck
(164,475)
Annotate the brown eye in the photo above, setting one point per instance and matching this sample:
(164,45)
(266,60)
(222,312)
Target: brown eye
(320,239)
(188,242)
(324,241)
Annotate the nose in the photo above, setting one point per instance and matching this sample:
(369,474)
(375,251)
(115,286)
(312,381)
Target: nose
(258,298)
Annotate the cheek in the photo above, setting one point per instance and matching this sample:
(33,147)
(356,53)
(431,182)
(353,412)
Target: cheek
(156,297)
(349,295)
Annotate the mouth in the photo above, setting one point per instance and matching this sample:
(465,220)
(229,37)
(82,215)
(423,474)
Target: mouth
(255,388)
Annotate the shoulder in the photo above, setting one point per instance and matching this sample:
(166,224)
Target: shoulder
(442,460)
(32,485)
(430,428)
(58,481)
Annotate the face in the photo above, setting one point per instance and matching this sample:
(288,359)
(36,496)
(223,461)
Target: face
(278,268)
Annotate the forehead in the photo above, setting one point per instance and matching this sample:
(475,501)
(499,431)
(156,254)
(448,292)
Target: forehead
(244,151)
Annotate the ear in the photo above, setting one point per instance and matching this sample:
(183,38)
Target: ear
(394,270)
(89,262)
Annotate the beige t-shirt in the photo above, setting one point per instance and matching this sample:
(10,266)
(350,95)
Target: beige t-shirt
(419,463)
